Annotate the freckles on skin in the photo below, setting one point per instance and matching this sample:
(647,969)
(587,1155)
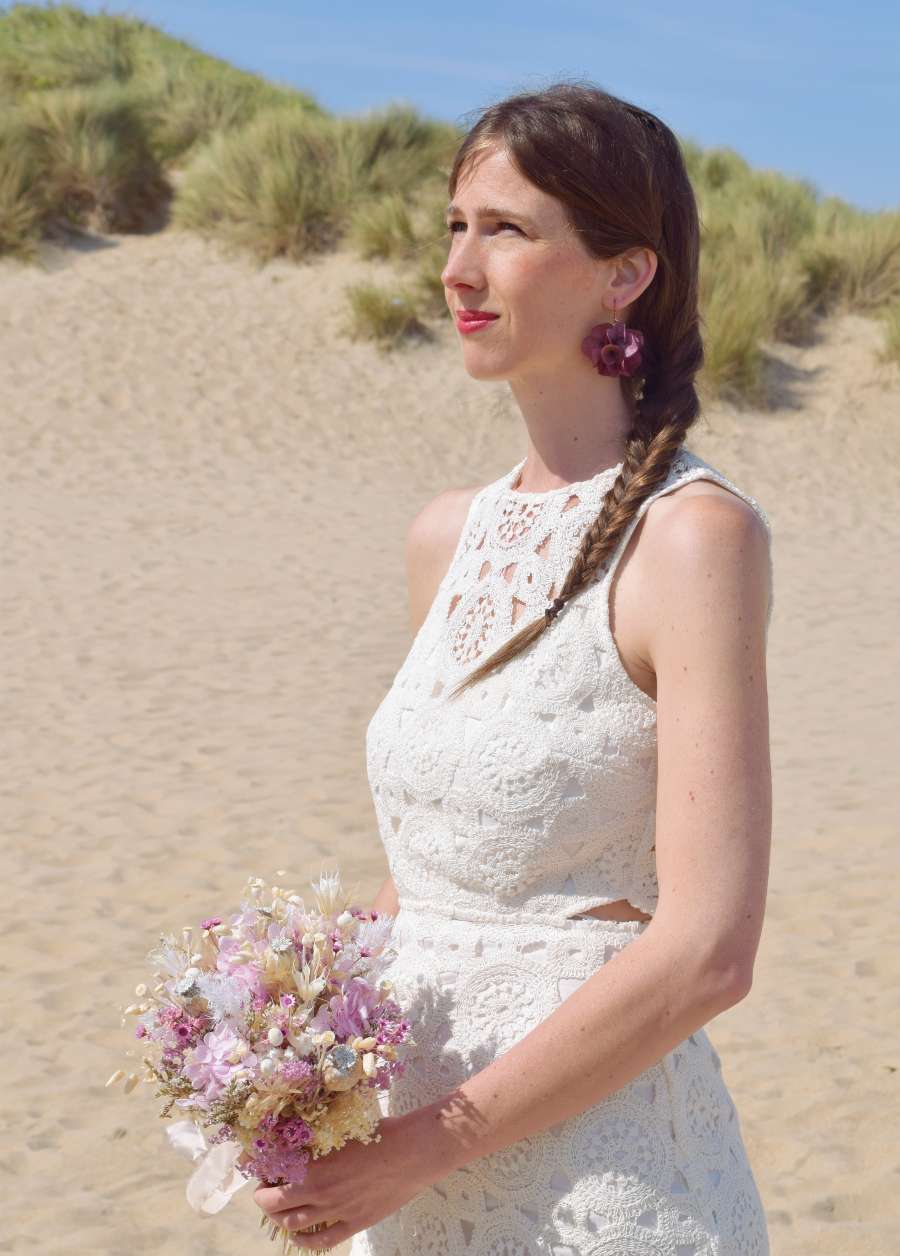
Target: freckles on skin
(569,270)
(573,284)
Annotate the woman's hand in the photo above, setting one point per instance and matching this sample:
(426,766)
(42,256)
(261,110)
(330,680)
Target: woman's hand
(355,1187)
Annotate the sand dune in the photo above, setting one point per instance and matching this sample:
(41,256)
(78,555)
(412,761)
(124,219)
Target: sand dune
(206,488)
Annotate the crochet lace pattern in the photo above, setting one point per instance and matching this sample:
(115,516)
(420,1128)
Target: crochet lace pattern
(504,813)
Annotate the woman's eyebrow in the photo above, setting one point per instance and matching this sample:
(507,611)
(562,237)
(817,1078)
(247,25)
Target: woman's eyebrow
(488,211)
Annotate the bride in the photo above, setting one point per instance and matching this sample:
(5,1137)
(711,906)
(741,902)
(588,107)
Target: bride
(571,768)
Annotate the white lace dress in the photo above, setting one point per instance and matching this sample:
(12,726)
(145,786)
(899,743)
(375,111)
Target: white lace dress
(504,813)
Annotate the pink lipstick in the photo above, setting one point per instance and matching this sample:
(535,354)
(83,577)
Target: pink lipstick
(474,320)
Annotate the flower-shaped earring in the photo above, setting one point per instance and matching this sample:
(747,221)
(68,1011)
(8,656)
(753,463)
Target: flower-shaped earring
(614,348)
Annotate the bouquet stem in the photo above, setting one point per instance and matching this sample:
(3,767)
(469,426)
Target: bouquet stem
(275,1229)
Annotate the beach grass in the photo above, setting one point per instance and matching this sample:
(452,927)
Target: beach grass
(384,228)
(384,315)
(111,124)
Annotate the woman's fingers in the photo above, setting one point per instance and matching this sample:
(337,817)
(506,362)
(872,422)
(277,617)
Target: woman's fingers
(324,1239)
(300,1218)
(276,1199)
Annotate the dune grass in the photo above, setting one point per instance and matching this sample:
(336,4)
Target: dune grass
(384,228)
(272,188)
(289,182)
(382,314)
(90,148)
(61,46)
(890,348)
(22,203)
(106,120)
(188,101)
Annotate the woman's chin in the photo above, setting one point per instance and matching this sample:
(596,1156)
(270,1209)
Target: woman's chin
(483,368)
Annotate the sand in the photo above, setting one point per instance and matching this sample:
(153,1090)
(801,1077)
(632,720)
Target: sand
(206,490)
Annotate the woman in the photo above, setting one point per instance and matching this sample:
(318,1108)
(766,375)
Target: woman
(571,769)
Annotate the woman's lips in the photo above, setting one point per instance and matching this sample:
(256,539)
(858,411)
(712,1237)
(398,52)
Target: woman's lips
(475,320)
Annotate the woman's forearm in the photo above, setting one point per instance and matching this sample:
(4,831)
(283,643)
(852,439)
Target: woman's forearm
(386,898)
(623,1019)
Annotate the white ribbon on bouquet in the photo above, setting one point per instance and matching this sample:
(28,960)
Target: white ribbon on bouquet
(216,1177)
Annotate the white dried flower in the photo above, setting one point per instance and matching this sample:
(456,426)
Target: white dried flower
(224,997)
(168,955)
(328,892)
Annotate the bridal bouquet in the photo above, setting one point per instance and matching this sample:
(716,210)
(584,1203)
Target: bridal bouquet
(273,1031)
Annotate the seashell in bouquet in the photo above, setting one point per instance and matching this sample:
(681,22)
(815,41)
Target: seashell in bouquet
(272,1029)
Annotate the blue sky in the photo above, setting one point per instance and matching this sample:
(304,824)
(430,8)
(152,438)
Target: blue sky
(811,89)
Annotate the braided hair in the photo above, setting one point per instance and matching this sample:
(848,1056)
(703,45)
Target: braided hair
(620,174)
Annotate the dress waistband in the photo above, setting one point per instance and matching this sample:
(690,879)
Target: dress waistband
(452,911)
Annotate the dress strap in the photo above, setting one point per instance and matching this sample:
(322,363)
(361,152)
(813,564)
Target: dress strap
(687,466)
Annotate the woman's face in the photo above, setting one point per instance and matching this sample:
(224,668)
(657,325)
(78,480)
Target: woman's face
(512,252)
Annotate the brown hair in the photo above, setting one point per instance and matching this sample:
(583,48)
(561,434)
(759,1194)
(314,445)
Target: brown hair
(620,174)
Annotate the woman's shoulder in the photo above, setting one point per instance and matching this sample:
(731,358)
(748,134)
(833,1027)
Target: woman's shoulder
(698,509)
(691,476)
(697,512)
(699,531)
(706,527)
(436,528)
(431,541)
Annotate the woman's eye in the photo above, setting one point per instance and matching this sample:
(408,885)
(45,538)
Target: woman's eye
(451,226)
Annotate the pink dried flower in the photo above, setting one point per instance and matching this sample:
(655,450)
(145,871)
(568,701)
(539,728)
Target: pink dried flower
(300,1075)
(614,348)
(279,1152)
(347,1012)
(240,974)
(295,1132)
(220,1054)
(296,1070)
(210,922)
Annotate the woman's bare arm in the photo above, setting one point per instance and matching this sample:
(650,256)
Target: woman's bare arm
(386,899)
(695,958)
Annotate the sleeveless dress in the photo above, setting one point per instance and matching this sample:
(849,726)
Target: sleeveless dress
(504,813)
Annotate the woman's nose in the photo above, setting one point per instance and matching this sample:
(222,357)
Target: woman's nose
(463,266)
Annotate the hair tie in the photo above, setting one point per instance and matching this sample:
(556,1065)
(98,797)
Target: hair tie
(553,610)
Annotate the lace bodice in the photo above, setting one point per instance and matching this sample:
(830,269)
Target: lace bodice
(532,794)
(505,813)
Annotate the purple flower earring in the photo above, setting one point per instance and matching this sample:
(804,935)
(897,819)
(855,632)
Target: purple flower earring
(614,348)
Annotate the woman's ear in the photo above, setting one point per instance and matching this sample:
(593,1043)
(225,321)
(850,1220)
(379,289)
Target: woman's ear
(642,264)
(632,274)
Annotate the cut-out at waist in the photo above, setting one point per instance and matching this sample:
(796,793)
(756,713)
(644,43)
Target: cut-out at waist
(490,914)
(621,909)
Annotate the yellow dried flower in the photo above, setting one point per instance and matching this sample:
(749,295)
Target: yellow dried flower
(351,1114)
